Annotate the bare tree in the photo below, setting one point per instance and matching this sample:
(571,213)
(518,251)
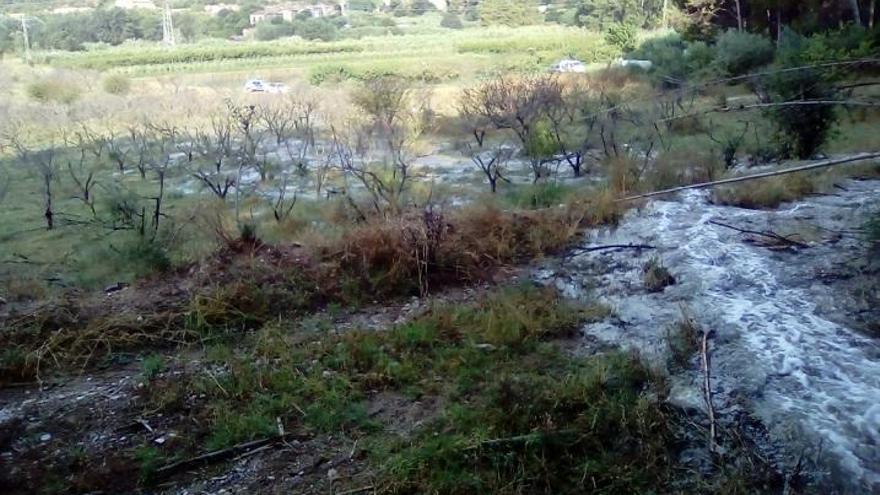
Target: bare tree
(245,119)
(142,148)
(215,152)
(293,125)
(159,165)
(491,159)
(81,169)
(282,206)
(118,150)
(378,149)
(520,105)
(42,162)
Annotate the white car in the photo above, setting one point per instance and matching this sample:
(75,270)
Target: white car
(260,86)
(255,86)
(569,65)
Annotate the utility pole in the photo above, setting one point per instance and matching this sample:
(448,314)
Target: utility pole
(167,25)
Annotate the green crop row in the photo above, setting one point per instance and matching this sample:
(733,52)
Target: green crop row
(154,55)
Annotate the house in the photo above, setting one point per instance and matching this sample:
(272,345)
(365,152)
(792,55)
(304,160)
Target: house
(289,11)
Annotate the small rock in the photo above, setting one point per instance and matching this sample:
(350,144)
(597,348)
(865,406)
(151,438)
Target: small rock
(160,440)
(485,347)
(332,474)
(2,301)
(45,437)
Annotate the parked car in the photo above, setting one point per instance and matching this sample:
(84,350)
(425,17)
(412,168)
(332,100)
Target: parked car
(569,65)
(255,86)
(260,86)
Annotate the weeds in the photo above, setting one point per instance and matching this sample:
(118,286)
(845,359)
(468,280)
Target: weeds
(655,276)
(152,366)
(683,339)
(767,193)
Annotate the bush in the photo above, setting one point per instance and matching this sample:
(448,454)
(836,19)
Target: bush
(117,84)
(316,29)
(656,276)
(622,35)
(738,53)
(675,60)
(53,90)
(451,21)
(268,31)
(802,129)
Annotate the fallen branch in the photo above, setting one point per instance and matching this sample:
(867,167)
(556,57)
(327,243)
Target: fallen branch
(357,490)
(767,234)
(813,166)
(610,247)
(240,450)
(707,391)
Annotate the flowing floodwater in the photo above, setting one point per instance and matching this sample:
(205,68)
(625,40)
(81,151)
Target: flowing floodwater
(787,345)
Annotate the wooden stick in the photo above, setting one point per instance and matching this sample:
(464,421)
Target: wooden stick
(768,234)
(592,249)
(812,166)
(707,391)
(219,455)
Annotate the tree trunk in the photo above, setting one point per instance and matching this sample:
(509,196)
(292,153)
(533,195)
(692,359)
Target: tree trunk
(49,214)
(493,184)
(739,15)
(856,11)
(873,11)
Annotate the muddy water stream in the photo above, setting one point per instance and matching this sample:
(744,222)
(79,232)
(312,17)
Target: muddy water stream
(792,342)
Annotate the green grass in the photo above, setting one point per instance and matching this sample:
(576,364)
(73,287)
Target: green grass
(516,412)
(152,366)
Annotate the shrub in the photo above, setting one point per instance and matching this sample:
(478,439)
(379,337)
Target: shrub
(675,60)
(683,339)
(802,129)
(656,276)
(508,13)
(117,84)
(535,196)
(622,35)
(451,21)
(316,29)
(53,90)
(739,53)
(268,31)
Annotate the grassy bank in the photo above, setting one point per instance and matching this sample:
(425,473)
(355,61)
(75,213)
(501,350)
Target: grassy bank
(512,411)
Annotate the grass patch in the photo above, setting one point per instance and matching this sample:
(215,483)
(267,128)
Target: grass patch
(536,196)
(767,193)
(683,339)
(656,276)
